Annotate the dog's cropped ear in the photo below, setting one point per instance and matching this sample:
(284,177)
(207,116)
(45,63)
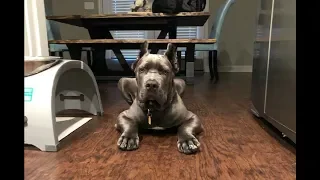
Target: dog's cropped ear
(171,54)
(143,51)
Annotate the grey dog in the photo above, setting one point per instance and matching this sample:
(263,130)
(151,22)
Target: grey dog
(155,102)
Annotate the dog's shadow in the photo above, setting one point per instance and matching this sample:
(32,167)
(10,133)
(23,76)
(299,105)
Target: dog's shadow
(159,133)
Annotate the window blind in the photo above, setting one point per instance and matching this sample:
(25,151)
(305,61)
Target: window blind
(187,32)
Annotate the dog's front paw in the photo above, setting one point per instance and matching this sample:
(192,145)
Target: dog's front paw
(128,143)
(189,145)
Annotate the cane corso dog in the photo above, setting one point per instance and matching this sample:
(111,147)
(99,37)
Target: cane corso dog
(155,102)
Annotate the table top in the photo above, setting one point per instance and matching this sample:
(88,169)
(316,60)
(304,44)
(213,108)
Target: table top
(134,21)
(133,41)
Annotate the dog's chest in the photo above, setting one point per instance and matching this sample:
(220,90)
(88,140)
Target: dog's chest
(159,120)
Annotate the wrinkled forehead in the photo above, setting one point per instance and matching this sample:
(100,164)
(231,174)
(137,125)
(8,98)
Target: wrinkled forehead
(154,61)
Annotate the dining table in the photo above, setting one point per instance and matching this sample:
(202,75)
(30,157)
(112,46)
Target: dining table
(99,26)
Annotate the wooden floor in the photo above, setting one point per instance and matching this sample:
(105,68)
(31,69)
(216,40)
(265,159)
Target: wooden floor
(234,146)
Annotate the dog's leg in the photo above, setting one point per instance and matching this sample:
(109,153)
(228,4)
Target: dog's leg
(129,139)
(128,88)
(187,141)
(180,85)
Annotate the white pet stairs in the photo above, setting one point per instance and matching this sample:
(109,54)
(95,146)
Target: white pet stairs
(68,84)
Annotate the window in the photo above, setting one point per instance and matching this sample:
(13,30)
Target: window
(123,6)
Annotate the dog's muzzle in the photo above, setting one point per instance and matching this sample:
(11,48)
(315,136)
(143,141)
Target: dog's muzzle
(152,90)
(152,94)
(152,85)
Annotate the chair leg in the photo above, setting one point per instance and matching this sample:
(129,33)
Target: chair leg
(211,65)
(89,59)
(61,54)
(215,65)
(185,65)
(179,59)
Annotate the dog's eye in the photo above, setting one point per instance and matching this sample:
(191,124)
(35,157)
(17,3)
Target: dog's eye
(141,70)
(165,72)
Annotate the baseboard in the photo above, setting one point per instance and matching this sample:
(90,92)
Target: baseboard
(235,69)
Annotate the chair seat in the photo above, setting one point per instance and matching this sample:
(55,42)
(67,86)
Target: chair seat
(63,47)
(201,47)
(57,47)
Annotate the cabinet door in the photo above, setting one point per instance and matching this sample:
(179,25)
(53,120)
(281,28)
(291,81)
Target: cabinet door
(281,78)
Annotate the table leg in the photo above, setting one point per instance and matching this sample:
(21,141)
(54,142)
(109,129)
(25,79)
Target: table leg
(74,51)
(99,64)
(124,64)
(172,32)
(162,35)
(190,63)
(180,64)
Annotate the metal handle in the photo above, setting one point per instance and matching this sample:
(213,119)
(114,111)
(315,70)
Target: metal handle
(80,97)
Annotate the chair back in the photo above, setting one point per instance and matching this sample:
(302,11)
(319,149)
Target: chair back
(218,22)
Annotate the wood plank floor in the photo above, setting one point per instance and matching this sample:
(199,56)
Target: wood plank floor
(234,146)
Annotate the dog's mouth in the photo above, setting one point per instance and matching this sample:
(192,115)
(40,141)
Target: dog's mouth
(151,100)
(152,104)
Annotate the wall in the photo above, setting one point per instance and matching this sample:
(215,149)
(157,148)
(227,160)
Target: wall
(71,7)
(238,34)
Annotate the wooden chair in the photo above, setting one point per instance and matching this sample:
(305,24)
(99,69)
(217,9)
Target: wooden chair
(214,34)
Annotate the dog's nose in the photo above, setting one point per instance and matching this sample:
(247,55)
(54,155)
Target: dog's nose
(152,85)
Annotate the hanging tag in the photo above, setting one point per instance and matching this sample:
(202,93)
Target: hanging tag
(149,117)
(149,120)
